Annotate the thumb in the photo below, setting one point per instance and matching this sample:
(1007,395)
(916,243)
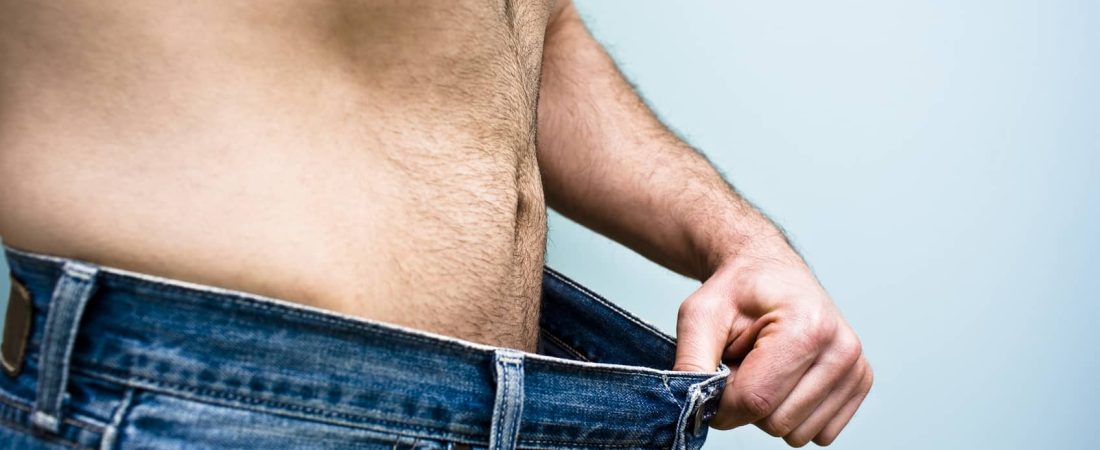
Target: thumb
(703,328)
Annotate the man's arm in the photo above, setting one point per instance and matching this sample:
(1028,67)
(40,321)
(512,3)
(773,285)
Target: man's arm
(610,164)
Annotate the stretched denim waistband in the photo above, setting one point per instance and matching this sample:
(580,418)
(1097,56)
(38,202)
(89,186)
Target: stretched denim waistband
(601,377)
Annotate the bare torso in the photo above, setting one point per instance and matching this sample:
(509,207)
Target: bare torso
(372,158)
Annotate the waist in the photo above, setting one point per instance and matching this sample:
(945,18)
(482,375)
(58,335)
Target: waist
(600,377)
(429,248)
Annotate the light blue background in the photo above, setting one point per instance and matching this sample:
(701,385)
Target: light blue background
(936,162)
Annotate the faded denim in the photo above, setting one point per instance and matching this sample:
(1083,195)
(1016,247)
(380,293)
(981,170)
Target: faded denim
(118,359)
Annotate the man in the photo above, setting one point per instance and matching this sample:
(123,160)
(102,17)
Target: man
(392,161)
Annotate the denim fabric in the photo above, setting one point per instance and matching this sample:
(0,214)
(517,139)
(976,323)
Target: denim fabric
(118,359)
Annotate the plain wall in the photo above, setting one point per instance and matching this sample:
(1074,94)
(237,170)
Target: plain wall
(937,163)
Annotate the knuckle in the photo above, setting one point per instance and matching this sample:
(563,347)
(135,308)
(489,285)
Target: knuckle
(809,341)
(757,405)
(693,308)
(824,329)
(768,430)
(868,380)
(796,441)
(686,310)
(850,349)
(777,425)
(816,334)
(824,439)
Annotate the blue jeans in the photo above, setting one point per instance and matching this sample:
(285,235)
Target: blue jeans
(116,359)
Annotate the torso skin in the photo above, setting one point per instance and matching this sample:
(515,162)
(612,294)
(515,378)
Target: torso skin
(371,158)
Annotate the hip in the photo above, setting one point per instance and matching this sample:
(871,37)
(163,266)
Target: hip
(113,358)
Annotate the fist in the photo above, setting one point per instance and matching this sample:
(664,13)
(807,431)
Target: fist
(798,369)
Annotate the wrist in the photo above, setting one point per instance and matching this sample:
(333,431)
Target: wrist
(766,246)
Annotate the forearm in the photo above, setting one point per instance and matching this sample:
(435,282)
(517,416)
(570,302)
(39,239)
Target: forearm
(608,163)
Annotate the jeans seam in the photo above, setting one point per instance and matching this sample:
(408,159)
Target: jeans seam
(671,395)
(564,345)
(6,402)
(110,434)
(11,402)
(301,412)
(43,436)
(229,402)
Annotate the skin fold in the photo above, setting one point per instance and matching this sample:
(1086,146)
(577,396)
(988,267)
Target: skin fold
(394,160)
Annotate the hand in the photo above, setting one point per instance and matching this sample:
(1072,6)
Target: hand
(798,370)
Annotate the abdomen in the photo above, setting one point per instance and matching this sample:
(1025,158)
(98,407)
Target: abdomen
(298,158)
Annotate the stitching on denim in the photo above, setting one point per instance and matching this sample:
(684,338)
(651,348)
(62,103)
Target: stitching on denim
(43,436)
(653,373)
(718,378)
(568,348)
(81,270)
(13,403)
(266,305)
(201,395)
(313,414)
(67,301)
(505,409)
(496,444)
(283,401)
(680,439)
(698,395)
(596,297)
(671,395)
(6,402)
(498,410)
(110,433)
(47,402)
(17,404)
(574,445)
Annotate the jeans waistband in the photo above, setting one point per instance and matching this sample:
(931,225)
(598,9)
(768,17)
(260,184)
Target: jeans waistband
(601,376)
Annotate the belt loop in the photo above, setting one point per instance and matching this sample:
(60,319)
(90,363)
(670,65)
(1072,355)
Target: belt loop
(73,289)
(508,407)
(702,404)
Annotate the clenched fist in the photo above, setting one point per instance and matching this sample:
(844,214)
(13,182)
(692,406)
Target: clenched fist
(798,369)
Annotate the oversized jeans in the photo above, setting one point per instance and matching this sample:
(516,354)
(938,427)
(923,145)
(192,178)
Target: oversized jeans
(106,358)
